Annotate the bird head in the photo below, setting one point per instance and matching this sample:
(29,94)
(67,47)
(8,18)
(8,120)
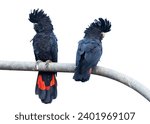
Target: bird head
(40,20)
(98,28)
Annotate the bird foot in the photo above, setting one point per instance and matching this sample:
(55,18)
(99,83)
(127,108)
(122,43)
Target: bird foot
(47,63)
(37,64)
(90,70)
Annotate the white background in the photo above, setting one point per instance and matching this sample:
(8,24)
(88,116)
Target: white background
(125,49)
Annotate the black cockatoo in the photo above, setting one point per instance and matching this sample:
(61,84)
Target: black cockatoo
(45,49)
(90,49)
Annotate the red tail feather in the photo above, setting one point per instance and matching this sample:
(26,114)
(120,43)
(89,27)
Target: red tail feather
(41,83)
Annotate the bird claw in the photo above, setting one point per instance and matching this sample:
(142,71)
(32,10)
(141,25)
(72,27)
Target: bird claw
(47,63)
(37,64)
(90,71)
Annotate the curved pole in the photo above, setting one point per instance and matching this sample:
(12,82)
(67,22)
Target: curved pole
(66,67)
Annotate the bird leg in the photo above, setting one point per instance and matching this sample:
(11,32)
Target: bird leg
(37,64)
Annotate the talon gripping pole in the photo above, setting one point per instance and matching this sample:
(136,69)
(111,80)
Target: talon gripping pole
(67,67)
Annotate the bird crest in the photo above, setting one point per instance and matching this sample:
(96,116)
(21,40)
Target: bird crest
(42,22)
(36,15)
(101,25)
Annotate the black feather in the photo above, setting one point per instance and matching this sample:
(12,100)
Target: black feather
(41,20)
(37,15)
(90,49)
(45,48)
(99,26)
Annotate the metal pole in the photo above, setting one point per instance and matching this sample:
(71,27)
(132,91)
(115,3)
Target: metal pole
(67,67)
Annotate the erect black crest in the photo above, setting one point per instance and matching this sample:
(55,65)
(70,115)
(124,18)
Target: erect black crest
(102,25)
(36,15)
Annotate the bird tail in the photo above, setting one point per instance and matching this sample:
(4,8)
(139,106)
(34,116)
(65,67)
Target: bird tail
(81,76)
(46,86)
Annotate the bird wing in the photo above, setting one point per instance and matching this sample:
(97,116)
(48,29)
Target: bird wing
(45,47)
(54,48)
(88,54)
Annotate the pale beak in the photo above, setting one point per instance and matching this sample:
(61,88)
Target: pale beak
(103,35)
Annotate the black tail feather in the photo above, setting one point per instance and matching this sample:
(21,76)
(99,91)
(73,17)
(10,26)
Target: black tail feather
(83,77)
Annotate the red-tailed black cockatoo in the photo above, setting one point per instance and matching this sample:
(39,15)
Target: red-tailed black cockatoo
(45,49)
(90,49)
